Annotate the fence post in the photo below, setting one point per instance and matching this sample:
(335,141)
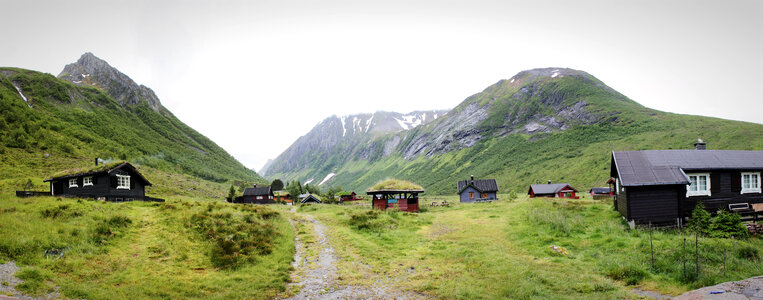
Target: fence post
(696,253)
(683,257)
(651,245)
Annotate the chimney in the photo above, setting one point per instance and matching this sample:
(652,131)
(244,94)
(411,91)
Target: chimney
(549,181)
(700,145)
(96,161)
(472,177)
(255,185)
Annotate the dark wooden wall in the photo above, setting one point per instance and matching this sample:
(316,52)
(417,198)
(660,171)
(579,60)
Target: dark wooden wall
(725,188)
(655,204)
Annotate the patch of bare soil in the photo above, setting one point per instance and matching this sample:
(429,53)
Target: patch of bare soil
(319,280)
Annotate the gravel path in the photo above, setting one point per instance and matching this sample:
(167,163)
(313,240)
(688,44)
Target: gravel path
(320,282)
(8,283)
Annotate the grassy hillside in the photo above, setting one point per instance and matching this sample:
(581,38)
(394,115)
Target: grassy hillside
(576,148)
(178,249)
(64,126)
(503,250)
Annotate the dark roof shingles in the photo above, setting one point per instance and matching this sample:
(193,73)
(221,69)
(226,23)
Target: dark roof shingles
(483,185)
(548,188)
(257,191)
(661,167)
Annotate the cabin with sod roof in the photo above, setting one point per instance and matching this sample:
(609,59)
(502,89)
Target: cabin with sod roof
(283,196)
(117,181)
(393,193)
(552,190)
(664,186)
(256,195)
(477,190)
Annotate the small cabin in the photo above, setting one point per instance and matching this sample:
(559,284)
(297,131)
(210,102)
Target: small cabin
(553,190)
(393,193)
(117,181)
(348,196)
(664,186)
(256,195)
(283,196)
(477,190)
(309,198)
(601,193)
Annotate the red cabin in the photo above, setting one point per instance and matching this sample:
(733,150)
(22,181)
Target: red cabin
(404,200)
(555,190)
(348,196)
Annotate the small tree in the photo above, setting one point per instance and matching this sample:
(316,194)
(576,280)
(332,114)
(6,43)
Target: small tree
(276,185)
(726,225)
(28,185)
(232,192)
(700,220)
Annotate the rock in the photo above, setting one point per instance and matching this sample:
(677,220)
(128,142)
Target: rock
(751,288)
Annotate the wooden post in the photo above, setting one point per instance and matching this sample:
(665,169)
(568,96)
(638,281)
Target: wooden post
(651,245)
(696,253)
(683,257)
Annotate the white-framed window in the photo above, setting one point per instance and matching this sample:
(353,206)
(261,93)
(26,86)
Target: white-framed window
(750,182)
(87,181)
(123,182)
(699,185)
(617,186)
(259,197)
(73,182)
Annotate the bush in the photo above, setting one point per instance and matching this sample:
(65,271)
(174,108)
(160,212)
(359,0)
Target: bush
(748,253)
(700,220)
(629,274)
(236,237)
(726,225)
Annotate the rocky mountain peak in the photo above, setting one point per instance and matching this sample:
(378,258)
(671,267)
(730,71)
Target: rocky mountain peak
(92,71)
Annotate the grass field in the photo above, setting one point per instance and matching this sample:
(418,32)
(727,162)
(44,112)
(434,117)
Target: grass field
(146,250)
(502,250)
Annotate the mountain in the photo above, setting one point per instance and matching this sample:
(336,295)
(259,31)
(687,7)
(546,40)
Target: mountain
(94,110)
(341,137)
(543,124)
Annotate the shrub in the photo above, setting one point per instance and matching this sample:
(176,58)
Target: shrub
(726,225)
(700,220)
(236,237)
(629,274)
(748,253)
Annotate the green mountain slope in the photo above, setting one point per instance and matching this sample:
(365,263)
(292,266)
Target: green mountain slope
(543,124)
(49,124)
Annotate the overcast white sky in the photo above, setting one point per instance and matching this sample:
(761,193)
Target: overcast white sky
(255,75)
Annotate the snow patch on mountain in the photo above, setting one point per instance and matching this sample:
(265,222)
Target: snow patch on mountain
(329,176)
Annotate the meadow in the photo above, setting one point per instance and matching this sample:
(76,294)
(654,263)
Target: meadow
(505,249)
(176,249)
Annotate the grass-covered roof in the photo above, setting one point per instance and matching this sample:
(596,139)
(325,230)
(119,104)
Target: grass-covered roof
(90,170)
(395,185)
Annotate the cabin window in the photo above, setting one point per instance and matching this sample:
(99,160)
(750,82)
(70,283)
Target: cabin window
(699,185)
(259,197)
(73,183)
(123,182)
(471,195)
(483,195)
(750,183)
(87,181)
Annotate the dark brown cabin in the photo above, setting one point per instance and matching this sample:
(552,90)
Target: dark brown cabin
(348,196)
(256,195)
(664,186)
(118,181)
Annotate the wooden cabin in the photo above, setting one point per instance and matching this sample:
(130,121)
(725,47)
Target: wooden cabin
(477,190)
(393,193)
(601,193)
(348,196)
(256,195)
(553,190)
(309,198)
(118,181)
(283,196)
(663,186)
